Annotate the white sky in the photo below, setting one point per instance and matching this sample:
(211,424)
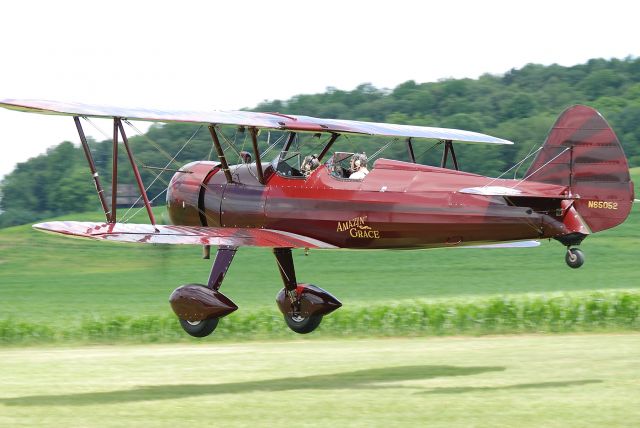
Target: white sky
(234,54)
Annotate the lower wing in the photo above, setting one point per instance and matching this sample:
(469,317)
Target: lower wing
(194,235)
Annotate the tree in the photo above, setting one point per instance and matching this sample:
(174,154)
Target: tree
(520,106)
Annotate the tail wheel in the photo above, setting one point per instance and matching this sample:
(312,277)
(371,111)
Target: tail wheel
(200,328)
(302,325)
(574,258)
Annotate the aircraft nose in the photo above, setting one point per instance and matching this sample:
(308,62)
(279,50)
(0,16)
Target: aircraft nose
(185,193)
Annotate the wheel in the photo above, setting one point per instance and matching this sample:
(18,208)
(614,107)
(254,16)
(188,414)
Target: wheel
(201,328)
(303,325)
(574,258)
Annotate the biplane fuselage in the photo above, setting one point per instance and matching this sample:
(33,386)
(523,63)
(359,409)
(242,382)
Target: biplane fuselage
(397,205)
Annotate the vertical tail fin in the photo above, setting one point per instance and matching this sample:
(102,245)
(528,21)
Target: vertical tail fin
(583,153)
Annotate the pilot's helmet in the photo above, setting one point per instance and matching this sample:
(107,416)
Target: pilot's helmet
(359,159)
(310,163)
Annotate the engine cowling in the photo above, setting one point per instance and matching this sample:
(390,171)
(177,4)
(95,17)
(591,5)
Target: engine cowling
(186,195)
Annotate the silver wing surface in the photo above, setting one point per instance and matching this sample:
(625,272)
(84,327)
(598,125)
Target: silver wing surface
(252,119)
(193,235)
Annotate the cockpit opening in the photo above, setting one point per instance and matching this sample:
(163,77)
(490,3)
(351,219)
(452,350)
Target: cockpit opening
(348,165)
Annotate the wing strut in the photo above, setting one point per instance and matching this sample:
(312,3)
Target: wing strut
(448,147)
(92,167)
(114,175)
(118,125)
(287,146)
(333,139)
(412,155)
(220,152)
(256,152)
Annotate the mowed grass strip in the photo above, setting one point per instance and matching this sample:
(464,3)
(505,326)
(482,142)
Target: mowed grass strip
(577,312)
(497,381)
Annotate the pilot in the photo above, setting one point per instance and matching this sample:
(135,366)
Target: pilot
(245,157)
(309,163)
(358,166)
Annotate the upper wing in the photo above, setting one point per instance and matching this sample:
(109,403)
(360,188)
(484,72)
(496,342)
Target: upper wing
(405,131)
(246,118)
(195,235)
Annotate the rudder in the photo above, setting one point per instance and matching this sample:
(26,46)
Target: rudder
(583,153)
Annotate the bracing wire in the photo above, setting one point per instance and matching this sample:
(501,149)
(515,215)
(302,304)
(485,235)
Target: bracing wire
(382,149)
(546,163)
(429,149)
(244,143)
(515,172)
(166,183)
(321,144)
(156,145)
(514,166)
(301,143)
(172,159)
(232,146)
(127,217)
(97,128)
(270,147)
(135,213)
(157,176)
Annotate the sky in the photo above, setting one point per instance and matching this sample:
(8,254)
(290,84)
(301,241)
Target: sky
(198,55)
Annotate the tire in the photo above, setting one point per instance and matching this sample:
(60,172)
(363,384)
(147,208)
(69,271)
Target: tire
(574,258)
(303,325)
(201,328)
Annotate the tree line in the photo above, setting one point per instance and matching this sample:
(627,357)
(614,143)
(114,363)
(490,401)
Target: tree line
(520,105)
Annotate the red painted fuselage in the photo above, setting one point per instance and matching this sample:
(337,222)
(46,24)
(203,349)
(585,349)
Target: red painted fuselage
(397,205)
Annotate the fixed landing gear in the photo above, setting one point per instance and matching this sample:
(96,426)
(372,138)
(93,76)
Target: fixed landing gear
(199,307)
(574,258)
(303,305)
(200,328)
(301,324)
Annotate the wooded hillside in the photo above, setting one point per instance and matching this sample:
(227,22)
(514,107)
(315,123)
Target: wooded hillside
(520,106)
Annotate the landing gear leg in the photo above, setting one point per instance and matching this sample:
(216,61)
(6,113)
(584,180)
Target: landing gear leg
(199,307)
(574,257)
(303,305)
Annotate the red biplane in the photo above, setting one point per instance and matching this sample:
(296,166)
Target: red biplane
(577,184)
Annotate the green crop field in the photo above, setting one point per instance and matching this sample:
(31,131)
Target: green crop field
(503,381)
(375,362)
(56,282)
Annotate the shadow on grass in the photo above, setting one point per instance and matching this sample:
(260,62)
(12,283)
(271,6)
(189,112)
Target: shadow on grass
(463,389)
(359,379)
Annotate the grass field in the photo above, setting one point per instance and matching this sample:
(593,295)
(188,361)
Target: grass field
(550,381)
(56,281)
(355,380)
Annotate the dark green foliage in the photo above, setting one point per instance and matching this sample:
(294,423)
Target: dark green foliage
(521,106)
(576,312)
(48,184)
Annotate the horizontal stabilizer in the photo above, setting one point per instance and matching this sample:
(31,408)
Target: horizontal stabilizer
(531,190)
(492,191)
(193,235)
